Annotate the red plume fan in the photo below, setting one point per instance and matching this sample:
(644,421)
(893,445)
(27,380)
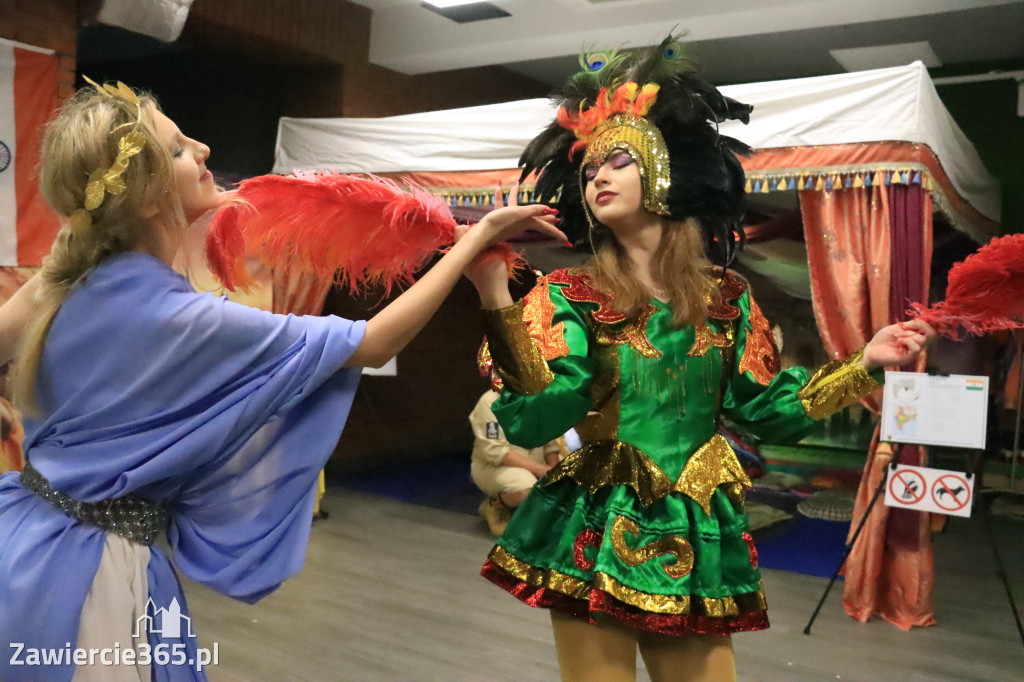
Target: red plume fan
(360,231)
(985,292)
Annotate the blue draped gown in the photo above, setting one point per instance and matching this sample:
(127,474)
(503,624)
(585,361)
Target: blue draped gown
(220,413)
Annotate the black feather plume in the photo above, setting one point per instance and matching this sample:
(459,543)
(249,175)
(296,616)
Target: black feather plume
(659,63)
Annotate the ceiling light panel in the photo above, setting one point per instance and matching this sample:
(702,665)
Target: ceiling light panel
(465,12)
(451,3)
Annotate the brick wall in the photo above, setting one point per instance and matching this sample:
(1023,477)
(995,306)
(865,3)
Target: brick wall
(50,24)
(372,91)
(293,31)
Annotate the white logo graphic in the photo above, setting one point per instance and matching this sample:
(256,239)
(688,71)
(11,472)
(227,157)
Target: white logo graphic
(170,620)
(165,622)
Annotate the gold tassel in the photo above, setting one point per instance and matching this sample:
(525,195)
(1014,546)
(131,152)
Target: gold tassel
(668,386)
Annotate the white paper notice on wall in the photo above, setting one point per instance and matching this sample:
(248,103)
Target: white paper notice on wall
(932,490)
(389,369)
(935,410)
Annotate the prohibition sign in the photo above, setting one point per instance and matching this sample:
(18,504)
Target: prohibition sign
(907,487)
(946,491)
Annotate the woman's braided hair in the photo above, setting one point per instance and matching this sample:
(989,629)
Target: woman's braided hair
(104,171)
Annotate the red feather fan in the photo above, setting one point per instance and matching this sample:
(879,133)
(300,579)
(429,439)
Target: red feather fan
(985,292)
(359,231)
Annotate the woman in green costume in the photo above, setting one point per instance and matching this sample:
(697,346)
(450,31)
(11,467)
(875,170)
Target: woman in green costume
(639,537)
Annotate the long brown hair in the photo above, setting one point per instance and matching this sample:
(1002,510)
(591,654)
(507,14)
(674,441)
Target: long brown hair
(681,266)
(81,139)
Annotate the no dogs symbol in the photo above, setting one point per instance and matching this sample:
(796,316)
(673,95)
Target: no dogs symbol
(951,492)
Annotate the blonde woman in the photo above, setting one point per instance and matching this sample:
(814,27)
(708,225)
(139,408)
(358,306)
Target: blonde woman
(152,409)
(638,539)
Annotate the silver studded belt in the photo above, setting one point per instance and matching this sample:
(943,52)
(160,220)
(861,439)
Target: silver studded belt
(130,517)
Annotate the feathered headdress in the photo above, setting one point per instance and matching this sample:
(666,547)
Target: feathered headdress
(652,103)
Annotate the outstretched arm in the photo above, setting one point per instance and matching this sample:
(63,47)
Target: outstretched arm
(488,272)
(390,330)
(897,344)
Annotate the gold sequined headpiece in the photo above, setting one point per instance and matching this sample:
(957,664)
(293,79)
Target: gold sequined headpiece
(642,141)
(103,181)
(617,121)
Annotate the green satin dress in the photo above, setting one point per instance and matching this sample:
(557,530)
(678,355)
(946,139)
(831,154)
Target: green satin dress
(644,523)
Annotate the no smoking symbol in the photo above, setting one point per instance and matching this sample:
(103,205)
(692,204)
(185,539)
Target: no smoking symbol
(907,487)
(950,492)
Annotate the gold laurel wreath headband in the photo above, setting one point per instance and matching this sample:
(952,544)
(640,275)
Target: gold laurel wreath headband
(103,181)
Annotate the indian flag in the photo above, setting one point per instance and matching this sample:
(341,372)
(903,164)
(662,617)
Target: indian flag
(975,384)
(28,98)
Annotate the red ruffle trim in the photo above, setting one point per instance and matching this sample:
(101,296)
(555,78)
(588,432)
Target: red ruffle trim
(602,602)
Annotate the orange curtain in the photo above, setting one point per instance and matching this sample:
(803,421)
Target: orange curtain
(848,251)
(890,571)
(853,236)
(12,458)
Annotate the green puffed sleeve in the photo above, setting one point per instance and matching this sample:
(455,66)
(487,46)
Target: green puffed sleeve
(539,349)
(757,395)
(780,406)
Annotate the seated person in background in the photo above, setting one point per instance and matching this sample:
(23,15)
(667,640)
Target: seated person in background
(504,472)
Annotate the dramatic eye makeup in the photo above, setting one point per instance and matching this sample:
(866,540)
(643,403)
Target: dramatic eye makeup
(616,160)
(619,159)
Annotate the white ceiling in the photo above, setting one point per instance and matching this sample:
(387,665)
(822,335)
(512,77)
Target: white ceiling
(733,40)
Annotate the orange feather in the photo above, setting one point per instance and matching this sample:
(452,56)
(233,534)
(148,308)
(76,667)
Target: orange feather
(358,231)
(983,293)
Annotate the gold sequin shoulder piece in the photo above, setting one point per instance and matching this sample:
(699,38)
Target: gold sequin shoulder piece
(723,305)
(516,358)
(538,316)
(720,299)
(579,288)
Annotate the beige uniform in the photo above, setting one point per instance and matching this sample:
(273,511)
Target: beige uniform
(490,446)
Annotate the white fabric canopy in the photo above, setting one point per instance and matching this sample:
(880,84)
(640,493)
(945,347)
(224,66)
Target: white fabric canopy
(895,104)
